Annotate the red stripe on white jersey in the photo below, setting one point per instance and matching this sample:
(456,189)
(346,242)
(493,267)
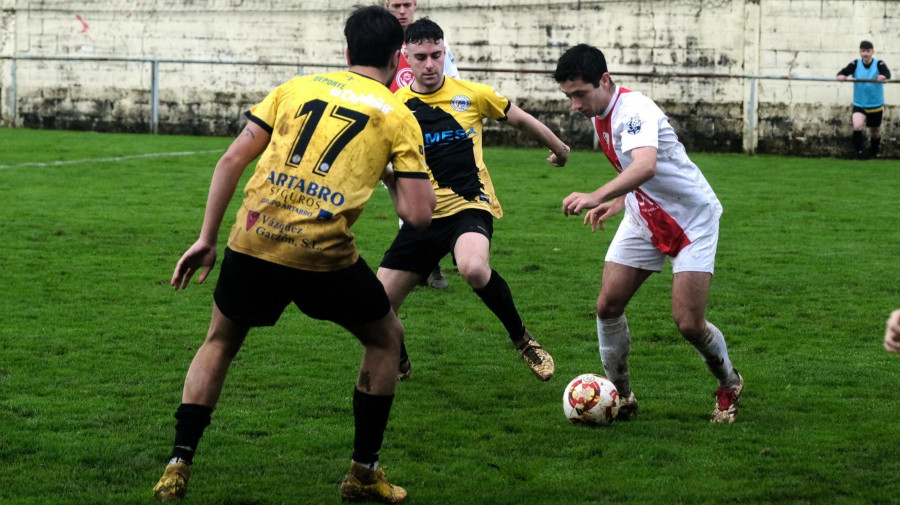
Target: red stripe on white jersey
(666,234)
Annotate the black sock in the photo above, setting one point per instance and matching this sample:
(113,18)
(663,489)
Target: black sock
(191,419)
(370,414)
(497,296)
(857,141)
(874,145)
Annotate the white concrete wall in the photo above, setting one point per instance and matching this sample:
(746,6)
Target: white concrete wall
(799,38)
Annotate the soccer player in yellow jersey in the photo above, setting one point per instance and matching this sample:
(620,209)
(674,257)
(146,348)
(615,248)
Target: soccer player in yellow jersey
(450,112)
(323,142)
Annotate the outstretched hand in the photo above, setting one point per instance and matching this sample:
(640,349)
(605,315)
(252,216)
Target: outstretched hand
(559,159)
(199,256)
(601,213)
(576,202)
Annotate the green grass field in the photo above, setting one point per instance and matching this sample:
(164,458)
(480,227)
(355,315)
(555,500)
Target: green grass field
(94,344)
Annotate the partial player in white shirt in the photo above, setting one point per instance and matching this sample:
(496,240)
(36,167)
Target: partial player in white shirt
(892,334)
(670,211)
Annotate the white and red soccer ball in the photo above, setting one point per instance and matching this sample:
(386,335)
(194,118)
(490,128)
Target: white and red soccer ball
(590,399)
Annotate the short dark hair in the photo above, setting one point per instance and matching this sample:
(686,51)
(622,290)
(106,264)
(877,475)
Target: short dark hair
(373,35)
(421,30)
(581,62)
(866,45)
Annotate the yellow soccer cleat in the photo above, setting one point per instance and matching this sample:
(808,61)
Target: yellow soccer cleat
(173,484)
(539,360)
(362,484)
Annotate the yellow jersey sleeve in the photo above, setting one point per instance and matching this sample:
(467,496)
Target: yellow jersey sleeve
(264,113)
(491,103)
(408,155)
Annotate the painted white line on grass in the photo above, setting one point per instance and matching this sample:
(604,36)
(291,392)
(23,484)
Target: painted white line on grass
(103,160)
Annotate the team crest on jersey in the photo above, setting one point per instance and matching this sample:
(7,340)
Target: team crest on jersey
(634,124)
(460,103)
(404,77)
(252,216)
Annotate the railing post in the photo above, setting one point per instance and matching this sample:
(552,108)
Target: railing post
(154,97)
(12,95)
(751,137)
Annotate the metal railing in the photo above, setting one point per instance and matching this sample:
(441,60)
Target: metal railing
(750,133)
(154,74)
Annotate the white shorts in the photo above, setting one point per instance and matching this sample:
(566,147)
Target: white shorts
(632,247)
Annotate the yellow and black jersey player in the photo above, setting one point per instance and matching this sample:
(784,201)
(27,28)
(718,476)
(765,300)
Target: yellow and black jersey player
(450,112)
(297,210)
(323,143)
(451,122)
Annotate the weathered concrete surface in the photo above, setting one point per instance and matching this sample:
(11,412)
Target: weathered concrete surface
(737,38)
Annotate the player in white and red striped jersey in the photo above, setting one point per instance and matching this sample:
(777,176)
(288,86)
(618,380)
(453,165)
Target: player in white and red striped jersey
(670,211)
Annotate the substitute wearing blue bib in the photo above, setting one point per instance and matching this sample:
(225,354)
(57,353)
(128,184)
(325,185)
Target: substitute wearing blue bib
(868,97)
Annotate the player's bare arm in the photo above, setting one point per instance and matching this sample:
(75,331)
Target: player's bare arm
(640,170)
(390,183)
(202,254)
(415,201)
(527,123)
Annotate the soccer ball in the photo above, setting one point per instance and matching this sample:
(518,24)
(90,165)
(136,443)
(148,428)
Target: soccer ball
(590,399)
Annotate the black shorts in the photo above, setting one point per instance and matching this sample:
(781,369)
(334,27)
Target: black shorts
(254,292)
(873,115)
(420,251)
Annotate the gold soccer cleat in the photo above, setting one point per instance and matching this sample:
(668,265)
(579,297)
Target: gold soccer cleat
(539,360)
(362,484)
(173,484)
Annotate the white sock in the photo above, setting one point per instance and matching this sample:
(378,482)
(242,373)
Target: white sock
(370,466)
(615,343)
(715,354)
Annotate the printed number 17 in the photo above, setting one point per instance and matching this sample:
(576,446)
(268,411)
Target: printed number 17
(354,122)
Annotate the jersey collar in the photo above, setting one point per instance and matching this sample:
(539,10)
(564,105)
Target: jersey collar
(443,82)
(612,103)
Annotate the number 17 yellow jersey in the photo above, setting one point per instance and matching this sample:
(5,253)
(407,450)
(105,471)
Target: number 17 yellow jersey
(332,136)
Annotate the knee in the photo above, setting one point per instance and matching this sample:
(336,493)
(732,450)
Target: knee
(394,335)
(388,337)
(609,309)
(476,273)
(223,343)
(692,328)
